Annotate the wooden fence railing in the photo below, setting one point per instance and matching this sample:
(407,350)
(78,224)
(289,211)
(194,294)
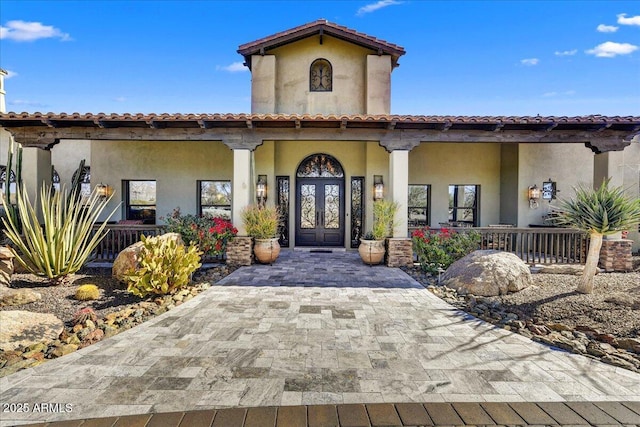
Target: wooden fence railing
(538,245)
(119,237)
(532,245)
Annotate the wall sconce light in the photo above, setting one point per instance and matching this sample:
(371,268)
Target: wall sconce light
(549,190)
(534,196)
(104,190)
(261,190)
(378,188)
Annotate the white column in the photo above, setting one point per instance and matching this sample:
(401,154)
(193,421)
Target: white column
(399,189)
(36,172)
(241,187)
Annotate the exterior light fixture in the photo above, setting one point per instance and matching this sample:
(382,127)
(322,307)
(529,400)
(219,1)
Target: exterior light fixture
(549,190)
(378,188)
(261,190)
(534,196)
(104,190)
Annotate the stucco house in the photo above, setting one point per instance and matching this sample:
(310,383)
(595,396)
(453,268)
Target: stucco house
(322,138)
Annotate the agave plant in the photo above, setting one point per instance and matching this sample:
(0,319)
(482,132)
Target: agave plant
(598,212)
(64,242)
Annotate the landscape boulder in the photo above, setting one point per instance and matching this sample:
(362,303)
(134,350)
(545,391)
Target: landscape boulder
(24,328)
(6,265)
(9,296)
(488,273)
(127,259)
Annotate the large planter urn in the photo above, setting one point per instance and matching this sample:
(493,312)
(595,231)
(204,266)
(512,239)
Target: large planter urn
(371,251)
(266,250)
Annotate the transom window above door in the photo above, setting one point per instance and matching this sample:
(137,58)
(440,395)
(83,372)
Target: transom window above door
(320,166)
(321,76)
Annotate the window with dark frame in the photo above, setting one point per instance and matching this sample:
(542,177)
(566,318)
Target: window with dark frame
(419,202)
(55,180)
(321,76)
(140,203)
(214,199)
(463,205)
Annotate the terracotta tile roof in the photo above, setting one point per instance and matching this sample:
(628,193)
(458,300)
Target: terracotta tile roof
(321,26)
(443,123)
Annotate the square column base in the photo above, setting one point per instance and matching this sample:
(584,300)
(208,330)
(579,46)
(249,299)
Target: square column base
(399,252)
(615,255)
(240,251)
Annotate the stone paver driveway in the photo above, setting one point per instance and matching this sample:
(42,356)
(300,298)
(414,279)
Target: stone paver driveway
(311,329)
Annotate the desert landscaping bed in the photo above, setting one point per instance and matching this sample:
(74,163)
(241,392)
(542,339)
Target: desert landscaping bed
(604,324)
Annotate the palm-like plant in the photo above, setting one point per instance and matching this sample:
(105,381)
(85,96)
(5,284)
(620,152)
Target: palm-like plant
(598,212)
(63,243)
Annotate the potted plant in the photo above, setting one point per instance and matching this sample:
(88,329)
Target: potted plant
(371,247)
(261,223)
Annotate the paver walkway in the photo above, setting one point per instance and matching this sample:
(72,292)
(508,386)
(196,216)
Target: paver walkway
(311,329)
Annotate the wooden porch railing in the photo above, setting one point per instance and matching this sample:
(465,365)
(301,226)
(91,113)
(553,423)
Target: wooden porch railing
(538,245)
(119,237)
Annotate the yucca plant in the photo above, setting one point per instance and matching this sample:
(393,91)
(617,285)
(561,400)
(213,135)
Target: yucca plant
(598,212)
(64,242)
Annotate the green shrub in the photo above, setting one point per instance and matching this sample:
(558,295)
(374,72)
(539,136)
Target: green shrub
(440,248)
(87,293)
(384,213)
(211,234)
(163,267)
(261,222)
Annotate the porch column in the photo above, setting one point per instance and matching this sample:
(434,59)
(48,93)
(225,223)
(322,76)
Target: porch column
(608,165)
(36,170)
(241,187)
(399,175)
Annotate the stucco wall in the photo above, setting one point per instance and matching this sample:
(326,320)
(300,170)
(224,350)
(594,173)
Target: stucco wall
(566,164)
(176,167)
(66,157)
(441,165)
(292,77)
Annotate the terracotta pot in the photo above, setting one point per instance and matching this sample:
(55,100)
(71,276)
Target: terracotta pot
(371,251)
(266,250)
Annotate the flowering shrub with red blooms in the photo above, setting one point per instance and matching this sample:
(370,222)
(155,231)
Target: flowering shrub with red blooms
(208,233)
(440,248)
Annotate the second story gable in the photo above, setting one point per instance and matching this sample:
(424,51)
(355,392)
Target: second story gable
(321,68)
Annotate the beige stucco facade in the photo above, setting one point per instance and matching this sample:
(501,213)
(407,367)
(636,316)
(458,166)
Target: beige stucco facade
(503,164)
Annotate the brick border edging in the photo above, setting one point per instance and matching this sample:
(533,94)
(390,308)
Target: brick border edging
(387,414)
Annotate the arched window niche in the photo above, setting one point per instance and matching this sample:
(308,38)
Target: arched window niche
(321,76)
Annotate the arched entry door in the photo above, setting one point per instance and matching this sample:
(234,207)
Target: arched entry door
(320,202)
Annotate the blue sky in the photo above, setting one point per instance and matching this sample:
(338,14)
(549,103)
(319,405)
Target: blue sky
(463,58)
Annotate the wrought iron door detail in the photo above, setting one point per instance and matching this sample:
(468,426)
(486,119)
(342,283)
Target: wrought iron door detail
(357,210)
(331,206)
(308,218)
(283,206)
(320,166)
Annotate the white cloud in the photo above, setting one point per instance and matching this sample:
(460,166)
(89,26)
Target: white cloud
(623,20)
(606,28)
(530,61)
(22,31)
(119,99)
(10,74)
(566,52)
(612,49)
(375,6)
(234,67)
(549,94)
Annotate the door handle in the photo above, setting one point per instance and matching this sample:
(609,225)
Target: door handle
(317,218)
